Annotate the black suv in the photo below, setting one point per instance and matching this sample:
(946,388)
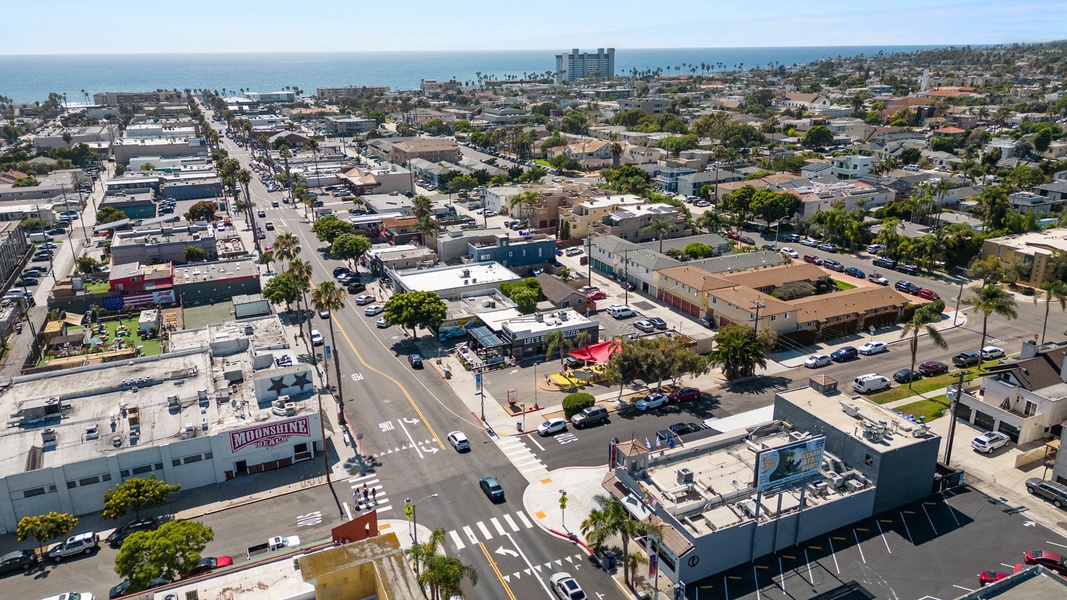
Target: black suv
(884,262)
(19,560)
(590,416)
(119,535)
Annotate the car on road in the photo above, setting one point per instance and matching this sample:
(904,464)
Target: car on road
(854,272)
(748,240)
(991,352)
(817,360)
(262,214)
(657,322)
(119,535)
(415,360)
(373,310)
(459,441)
(811,258)
(1056,492)
(1049,560)
(787,251)
(645,326)
(684,428)
(653,400)
(269,225)
(927,294)
(274,204)
(885,263)
(906,287)
(683,394)
(491,488)
(990,441)
(551,426)
(19,560)
(596,295)
(565,587)
(833,265)
(364,299)
(119,589)
(84,543)
(871,348)
(316,338)
(573,251)
(906,375)
(382,323)
(844,353)
(702,203)
(877,278)
(828,248)
(324,314)
(908,269)
(810,243)
(590,416)
(209,563)
(932,367)
(968,358)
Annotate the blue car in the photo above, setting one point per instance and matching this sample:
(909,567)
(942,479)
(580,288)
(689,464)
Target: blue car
(853,271)
(844,354)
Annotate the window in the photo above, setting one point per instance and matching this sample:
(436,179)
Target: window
(1031,408)
(89,480)
(175,462)
(124,473)
(192,459)
(105,477)
(33,492)
(71,485)
(208,456)
(868,460)
(159,466)
(142,470)
(774,317)
(300,448)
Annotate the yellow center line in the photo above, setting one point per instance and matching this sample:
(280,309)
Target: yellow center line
(496,570)
(395,382)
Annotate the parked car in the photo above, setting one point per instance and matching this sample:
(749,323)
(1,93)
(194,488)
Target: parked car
(657,322)
(316,338)
(19,560)
(565,587)
(596,295)
(787,251)
(1056,492)
(885,263)
(590,416)
(990,441)
(459,441)
(809,242)
(875,248)
(833,265)
(906,375)
(932,367)
(84,543)
(645,326)
(854,272)
(209,563)
(811,258)
(1049,560)
(927,294)
(908,269)
(991,352)
(415,360)
(817,360)
(653,400)
(683,394)
(906,287)
(967,358)
(987,577)
(382,323)
(873,348)
(748,240)
(144,524)
(620,311)
(364,299)
(491,488)
(684,428)
(828,248)
(373,310)
(844,354)
(870,383)
(553,425)
(877,278)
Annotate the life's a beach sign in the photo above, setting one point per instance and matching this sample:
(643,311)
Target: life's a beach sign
(788,464)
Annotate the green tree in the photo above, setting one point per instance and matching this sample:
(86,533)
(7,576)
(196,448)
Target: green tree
(120,170)
(438,574)
(923,320)
(660,226)
(991,299)
(1052,291)
(286,246)
(328,228)
(554,343)
(266,258)
(698,250)
(329,297)
(989,270)
(462,183)
(148,167)
(281,289)
(350,247)
(625,365)
(564,162)
(738,351)
(87,264)
(136,494)
(32,224)
(421,206)
(169,552)
(109,214)
(818,137)
(194,254)
(616,520)
(300,271)
(202,211)
(411,310)
(27,181)
(45,528)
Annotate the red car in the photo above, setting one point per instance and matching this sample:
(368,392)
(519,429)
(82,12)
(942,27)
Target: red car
(987,577)
(686,393)
(927,294)
(210,563)
(597,295)
(733,235)
(1049,560)
(811,258)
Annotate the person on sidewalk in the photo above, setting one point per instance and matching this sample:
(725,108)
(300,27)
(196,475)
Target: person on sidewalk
(374,495)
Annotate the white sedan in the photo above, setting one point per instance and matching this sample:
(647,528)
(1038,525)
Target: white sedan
(373,309)
(554,425)
(817,360)
(991,352)
(653,400)
(787,251)
(364,299)
(382,323)
(873,348)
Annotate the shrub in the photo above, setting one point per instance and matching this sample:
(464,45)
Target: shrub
(576,403)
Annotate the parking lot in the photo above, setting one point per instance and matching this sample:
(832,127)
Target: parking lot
(932,549)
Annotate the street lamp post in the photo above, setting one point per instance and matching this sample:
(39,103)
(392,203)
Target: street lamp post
(777,230)
(958,300)
(415,518)
(535,394)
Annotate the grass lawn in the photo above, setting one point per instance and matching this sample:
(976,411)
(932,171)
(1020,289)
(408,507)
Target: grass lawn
(152,347)
(931,408)
(542,162)
(841,285)
(900,392)
(97,287)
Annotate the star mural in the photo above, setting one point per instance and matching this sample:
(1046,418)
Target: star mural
(277,384)
(302,380)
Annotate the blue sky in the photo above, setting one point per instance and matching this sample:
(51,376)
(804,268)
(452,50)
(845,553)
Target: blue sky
(110,26)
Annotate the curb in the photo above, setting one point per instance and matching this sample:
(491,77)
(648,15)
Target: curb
(247,502)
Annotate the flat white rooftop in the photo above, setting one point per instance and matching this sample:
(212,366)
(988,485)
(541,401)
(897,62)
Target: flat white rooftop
(454,277)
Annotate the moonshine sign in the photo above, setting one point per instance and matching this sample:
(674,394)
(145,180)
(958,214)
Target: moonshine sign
(266,436)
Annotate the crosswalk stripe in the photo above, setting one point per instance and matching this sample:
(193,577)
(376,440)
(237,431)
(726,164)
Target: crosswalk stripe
(527,461)
(511,523)
(485,531)
(470,534)
(458,541)
(525,521)
(499,529)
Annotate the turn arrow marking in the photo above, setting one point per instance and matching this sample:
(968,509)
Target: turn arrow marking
(430,450)
(506,552)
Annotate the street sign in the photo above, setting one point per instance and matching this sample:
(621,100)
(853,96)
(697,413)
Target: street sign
(327,351)
(563,501)
(409,510)
(478,379)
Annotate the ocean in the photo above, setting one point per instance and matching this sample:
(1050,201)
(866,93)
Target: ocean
(29,78)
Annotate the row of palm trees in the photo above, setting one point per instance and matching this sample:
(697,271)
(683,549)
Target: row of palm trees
(610,518)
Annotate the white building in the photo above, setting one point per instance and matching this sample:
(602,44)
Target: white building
(454,282)
(579,65)
(280,96)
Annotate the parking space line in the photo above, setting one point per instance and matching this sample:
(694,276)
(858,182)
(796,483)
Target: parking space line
(1007,565)
(882,533)
(781,576)
(952,511)
(755,576)
(968,590)
(858,547)
(834,554)
(907,529)
(929,519)
(1055,544)
(811,578)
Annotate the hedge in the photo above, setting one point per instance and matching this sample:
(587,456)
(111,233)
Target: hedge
(576,403)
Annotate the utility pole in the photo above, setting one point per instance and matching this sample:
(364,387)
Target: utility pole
(589,256)
(757,305)
(953,412)
(625,277)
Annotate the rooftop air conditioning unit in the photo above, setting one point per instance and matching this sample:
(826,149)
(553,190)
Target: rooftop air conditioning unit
(685,475)
(853,485)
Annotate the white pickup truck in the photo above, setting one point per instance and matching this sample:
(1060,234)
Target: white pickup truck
(277,542)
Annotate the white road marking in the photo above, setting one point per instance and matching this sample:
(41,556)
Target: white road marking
(496,524)
(882,533)
(484,530)
(539,580)
(968,590)
(348,511)
(511,523)
(1055,544)
(858,547)
(525,521)
(811,578)
(832,553)
(907,529)
(411,439)
(458,541)
(535,443)
(470,535)
(929,519)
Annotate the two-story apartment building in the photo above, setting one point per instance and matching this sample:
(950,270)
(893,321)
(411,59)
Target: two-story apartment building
(518,251)
(851,166)
(593,210)
(632,222)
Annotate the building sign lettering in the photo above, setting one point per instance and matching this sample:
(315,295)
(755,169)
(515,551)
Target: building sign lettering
(266,436)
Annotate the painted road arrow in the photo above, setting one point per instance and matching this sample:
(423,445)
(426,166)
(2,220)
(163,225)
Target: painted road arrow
(506,552)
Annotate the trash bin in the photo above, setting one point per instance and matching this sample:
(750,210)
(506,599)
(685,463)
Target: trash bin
(609,561)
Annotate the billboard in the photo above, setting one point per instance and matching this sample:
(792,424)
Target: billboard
(784,465)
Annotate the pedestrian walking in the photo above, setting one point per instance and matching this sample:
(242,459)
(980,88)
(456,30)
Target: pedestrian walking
(355,498)
(366,498)
(374,495)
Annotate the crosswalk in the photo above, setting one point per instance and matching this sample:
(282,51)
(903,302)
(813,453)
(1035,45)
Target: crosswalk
(522,457)
(465,536)
(372,483)
(574,563)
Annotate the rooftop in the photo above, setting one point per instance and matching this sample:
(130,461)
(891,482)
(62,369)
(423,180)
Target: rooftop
(455,277)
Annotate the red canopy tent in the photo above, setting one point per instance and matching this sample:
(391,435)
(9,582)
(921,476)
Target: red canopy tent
(598,353)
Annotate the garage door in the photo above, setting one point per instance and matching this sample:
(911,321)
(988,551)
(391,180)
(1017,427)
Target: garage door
(1010,431)
(983,421)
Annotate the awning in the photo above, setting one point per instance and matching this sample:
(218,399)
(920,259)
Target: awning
(598,353)
(486,338)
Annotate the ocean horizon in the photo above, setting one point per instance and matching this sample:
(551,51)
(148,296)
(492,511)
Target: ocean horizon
(29,78)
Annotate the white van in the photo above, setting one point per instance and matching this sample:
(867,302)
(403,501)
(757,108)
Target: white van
(872,382)
(620,311)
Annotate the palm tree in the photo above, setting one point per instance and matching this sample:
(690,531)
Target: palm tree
(616,152)
(1054,290)
(329,297)
(421,206)
(300,271)
(286,246)
(616,520)
(441,574)
(738,351)
(921,320)
(661,227)
(989,299)
(244,177)
(266,258)
(313,146)
(525,201)
(593,530)
(285,155)
(553,343)
(630,563)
